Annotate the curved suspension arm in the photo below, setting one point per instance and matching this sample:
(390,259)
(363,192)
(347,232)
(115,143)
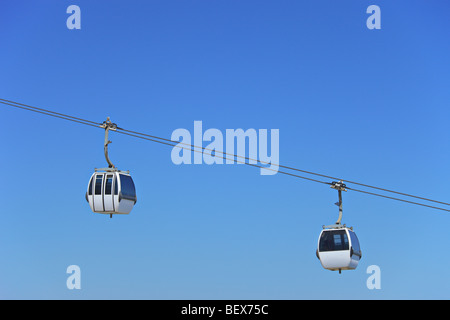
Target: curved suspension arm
(340,207)
(106,148)
(339,186)
(108,125)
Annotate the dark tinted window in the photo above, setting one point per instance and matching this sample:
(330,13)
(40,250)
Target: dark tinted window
(127,187)
(355,242)
(116,186)
(98,184)
(333,240)
(108,184)
(90,186)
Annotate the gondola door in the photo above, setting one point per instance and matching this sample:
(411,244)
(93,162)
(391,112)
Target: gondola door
(108,193)
(98,192)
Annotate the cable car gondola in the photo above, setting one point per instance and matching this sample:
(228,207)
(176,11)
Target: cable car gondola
(111,191)
(338,246)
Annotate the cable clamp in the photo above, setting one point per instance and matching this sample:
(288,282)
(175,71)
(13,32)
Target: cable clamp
(108,124)
(338,185)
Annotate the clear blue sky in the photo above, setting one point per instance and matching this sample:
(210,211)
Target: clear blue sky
(366,105)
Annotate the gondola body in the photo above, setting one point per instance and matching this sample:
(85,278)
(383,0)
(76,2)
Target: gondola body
(338,249)
(111,192)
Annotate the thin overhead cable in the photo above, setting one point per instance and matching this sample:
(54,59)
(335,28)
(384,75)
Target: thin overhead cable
(287,167)
(224,155)
(224,158)
(286,173)
(49,113)
(407,201)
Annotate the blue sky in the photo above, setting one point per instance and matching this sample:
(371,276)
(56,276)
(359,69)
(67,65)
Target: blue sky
(366,105)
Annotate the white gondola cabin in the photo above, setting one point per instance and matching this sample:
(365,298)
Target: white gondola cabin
(111,192)
(338,248)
